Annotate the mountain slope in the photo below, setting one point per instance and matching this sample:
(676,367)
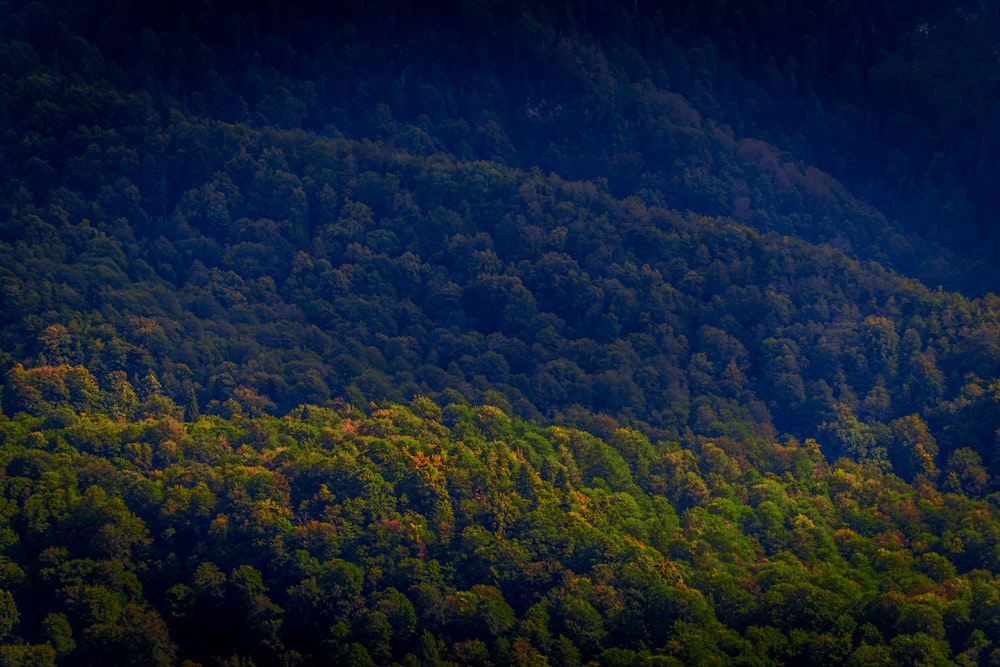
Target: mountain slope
(301,268)
(463,535)
(258,265)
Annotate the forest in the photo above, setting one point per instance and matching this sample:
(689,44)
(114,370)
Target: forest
(499,333)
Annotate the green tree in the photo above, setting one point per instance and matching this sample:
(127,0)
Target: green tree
(8,613)
(964,472)
(58,633)
(852,437)
(913,449)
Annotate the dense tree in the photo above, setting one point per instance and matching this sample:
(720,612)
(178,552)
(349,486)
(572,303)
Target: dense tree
(378,334)
(375,530)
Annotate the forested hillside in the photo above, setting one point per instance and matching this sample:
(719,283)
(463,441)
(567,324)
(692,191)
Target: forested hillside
(422,535)
(498,333)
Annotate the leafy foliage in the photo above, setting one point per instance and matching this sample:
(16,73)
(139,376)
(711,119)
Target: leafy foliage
(328,534)
(583,350)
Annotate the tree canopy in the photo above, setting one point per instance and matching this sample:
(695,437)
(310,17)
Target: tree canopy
(534,333)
